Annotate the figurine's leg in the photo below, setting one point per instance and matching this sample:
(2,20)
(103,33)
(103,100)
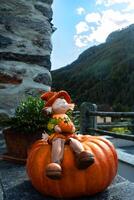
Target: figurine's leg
(54,170)
(57,150)
(83,158)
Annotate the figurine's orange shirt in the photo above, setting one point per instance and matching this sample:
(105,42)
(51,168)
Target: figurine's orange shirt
(66,125)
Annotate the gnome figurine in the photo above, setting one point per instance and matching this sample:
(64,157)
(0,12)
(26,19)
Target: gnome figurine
(61,131)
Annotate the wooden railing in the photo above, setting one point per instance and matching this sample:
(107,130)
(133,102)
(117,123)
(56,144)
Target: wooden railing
(88,121)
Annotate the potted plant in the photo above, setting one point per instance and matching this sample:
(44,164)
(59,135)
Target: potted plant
(25,128)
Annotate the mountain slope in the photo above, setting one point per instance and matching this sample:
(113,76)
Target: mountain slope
(102,74)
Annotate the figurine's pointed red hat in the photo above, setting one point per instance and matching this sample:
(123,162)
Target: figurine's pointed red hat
(50,97)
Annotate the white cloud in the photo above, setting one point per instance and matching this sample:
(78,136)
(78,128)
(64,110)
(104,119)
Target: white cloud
(130,7)
(81,27)
(105,23)
(112,2)
(80,11)
(108,3)
(92,28)
(116,17)
(93,17)
(111,20)
(81,40)
(100,34)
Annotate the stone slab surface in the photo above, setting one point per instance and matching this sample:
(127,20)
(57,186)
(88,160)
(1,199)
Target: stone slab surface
(125,156)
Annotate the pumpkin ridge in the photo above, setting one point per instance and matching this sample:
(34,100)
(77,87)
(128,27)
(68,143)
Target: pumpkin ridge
(37,166)
(31,153)
(108,166)
(103,159)
(69,155)
(97,150)
(111,146)
(44,182)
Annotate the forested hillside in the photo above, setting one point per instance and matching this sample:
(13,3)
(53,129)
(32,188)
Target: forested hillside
(102,74)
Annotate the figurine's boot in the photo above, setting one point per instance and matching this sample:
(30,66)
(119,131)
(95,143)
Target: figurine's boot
(83,158)
(54,170)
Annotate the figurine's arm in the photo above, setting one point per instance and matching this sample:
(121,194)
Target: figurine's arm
(57,129)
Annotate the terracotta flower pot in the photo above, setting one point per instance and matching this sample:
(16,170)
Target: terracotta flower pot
(17,144)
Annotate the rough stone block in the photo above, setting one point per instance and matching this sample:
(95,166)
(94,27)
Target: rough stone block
(25,49)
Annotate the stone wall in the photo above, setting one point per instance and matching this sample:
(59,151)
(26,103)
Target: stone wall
(25,49)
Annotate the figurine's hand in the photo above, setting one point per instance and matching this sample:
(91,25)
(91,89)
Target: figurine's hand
(57,129)
(45,136)
(73,129)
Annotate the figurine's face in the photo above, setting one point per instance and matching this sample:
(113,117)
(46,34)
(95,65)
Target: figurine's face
(60,106)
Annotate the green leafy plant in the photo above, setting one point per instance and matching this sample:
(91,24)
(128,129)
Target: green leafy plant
(29,117)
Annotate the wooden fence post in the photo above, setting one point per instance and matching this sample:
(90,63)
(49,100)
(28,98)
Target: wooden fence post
(132,123)
(87,121)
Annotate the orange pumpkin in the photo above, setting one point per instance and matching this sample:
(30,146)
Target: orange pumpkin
(74,182)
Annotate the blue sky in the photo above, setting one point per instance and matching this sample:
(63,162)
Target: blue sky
(83,23)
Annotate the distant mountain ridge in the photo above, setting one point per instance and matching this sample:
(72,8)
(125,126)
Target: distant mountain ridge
(102,74)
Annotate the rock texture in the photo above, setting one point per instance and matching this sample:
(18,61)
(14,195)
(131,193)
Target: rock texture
(25,50)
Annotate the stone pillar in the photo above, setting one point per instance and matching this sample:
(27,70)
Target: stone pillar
(87,121)
(25,49)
